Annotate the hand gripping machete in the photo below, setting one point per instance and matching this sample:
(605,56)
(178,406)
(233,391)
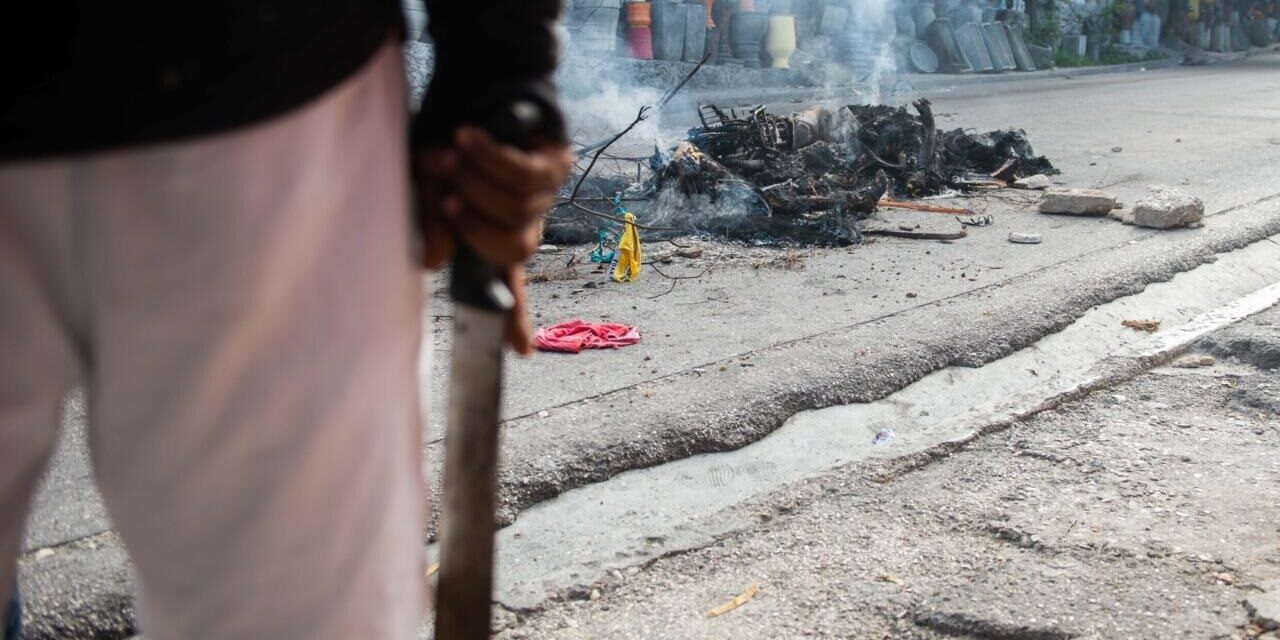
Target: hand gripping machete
(482,306)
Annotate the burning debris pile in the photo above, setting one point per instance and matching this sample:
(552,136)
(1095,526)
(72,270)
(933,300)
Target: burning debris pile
(812,175)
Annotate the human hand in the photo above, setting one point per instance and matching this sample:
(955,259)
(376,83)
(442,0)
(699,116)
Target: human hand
(493,196)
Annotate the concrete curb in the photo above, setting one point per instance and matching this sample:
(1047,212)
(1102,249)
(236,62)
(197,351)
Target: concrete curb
(860,363)
(929,82)
(932,82)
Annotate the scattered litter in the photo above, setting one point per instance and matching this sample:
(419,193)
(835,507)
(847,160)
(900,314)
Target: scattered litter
(1038,182)
(883,436)
(670,256)
(544,414)
(1224,578)
(1117,149)
(1150,326)
(979,221)
(626,259)
(1018,237)
(548,248)
(889,577)
(575,335)
(44,553)
(737,601)
(604,251)
(431,570)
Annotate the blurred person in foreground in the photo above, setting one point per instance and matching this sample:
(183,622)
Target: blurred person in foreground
(207,220)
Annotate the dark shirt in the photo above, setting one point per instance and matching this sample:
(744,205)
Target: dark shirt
(90,75)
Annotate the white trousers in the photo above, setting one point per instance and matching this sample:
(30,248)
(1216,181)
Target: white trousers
(244,311)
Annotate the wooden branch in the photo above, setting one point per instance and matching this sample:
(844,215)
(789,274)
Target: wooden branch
(927,208)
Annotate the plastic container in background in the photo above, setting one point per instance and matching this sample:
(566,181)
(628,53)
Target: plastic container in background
(780,42)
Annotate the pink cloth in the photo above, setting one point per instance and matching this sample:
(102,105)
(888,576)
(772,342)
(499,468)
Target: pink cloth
(575,335)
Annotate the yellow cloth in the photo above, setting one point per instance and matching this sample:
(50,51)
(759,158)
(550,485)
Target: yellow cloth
(628,256)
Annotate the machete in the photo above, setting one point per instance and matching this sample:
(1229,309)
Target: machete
(482,307)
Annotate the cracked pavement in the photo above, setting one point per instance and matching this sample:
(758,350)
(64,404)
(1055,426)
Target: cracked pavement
(1141,511)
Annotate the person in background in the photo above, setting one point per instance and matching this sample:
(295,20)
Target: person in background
(206,220)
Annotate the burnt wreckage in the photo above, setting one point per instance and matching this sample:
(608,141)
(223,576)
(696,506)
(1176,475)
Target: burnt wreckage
(812,175)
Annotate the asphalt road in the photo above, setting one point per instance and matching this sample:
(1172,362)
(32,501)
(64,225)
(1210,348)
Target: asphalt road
(1147,510)
(763,334)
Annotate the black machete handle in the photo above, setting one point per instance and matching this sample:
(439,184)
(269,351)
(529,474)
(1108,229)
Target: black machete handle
(473,281)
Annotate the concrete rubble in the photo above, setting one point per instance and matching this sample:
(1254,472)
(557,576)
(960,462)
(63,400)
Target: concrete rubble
(1077,202)
(1264,606)
(1165,207)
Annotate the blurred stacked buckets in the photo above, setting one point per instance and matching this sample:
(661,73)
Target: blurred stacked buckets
(659,29)
(594,24)
(639,34)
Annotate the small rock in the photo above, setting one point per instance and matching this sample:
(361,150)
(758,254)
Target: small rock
(1038,182)
(912,294)
(543,414)
(1150,326)
(44,553)
(1166,207)
(548,248)
(595,594)
(1079,202)
(1264,606)
(1122,214)
(1194,362)
(1117,149)
(1018,237)
(1225,578)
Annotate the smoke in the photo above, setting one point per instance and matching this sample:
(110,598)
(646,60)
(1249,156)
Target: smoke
(600,99)
(700,212)
(870,40)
